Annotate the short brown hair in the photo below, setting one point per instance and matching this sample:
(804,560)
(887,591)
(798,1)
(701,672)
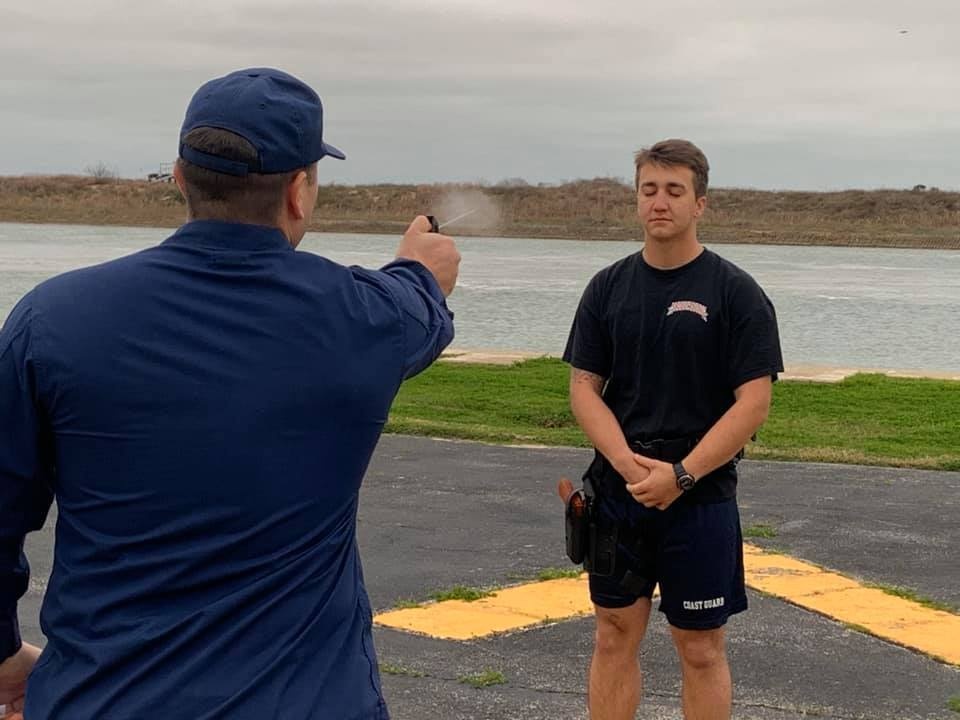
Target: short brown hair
(676,152)
(254,198)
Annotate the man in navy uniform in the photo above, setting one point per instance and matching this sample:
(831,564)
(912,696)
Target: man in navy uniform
(204,412)
(673,352)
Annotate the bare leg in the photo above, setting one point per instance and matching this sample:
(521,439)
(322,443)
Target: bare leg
(707,689)
(615,680)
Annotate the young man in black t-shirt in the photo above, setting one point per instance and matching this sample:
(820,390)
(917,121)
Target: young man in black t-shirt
(673,353)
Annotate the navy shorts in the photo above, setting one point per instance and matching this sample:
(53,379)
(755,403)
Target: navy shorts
(693,551)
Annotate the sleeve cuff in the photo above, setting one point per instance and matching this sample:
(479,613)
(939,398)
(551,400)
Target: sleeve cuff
(745,377)
(10,641)
(586,366)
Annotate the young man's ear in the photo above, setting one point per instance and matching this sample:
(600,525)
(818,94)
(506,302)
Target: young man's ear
(701,206)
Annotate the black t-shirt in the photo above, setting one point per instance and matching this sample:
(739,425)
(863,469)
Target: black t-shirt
(673,346)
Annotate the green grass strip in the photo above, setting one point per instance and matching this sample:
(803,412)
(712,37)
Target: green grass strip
(913,596)
(461,592)
(760,530)
(865,419)
(554,573)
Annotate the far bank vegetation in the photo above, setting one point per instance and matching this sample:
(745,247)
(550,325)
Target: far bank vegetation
(599,209)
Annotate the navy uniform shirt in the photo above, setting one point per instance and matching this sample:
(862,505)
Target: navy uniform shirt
(204,412)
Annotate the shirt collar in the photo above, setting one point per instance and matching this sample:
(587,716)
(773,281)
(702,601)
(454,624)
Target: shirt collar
(218,234)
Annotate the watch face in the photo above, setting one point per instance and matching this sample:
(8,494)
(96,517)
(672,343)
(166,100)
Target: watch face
(685,481)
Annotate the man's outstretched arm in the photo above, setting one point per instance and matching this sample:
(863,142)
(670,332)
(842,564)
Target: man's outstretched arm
(416,285)
(25,493)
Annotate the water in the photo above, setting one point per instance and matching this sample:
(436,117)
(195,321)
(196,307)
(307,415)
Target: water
(858,307)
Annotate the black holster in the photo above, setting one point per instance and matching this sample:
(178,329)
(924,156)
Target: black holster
(577,526)
(589,539)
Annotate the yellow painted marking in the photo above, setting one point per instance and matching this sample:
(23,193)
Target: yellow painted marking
(904,622)
(508,609)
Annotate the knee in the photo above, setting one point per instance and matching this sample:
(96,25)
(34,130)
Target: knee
(617,635)
(701,651)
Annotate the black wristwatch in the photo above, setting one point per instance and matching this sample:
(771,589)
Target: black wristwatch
(685,481)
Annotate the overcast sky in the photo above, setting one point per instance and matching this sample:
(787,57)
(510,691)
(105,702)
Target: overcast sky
(789,94)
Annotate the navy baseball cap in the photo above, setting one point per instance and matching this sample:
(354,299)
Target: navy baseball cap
(281,116)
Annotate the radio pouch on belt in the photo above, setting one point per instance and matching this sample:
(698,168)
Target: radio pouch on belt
(602,551)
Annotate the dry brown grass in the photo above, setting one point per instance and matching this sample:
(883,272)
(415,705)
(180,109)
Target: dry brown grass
(600,209)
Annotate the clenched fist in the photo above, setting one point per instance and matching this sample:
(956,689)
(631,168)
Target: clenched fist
(434,251)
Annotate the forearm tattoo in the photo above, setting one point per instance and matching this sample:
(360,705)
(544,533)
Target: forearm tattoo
(583,377)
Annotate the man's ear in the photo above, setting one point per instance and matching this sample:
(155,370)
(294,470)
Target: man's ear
(296,196)
(701,205)
(182,186)
(178,179)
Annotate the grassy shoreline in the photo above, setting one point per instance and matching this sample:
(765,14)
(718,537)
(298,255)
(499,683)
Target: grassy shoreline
(865,419)
(600,209)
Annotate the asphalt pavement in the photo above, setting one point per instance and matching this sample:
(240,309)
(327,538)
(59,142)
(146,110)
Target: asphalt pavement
(437,513)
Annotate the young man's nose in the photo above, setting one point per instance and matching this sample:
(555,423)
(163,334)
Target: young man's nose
(660,200)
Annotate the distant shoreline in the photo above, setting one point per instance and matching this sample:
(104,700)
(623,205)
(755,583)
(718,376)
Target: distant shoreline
(794,371)
(601,209)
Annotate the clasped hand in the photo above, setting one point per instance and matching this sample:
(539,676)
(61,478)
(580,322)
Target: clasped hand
(652,483)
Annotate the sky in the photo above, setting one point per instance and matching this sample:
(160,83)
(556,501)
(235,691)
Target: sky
(780,94)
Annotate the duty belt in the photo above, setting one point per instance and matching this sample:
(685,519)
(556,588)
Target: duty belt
(670,450)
